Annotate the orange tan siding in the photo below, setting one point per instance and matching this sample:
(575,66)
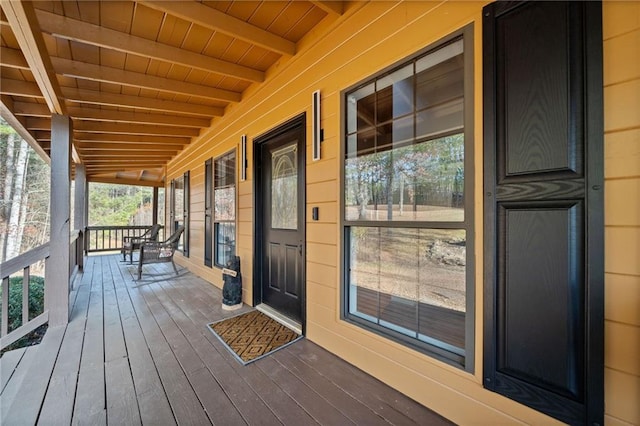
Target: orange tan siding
(621,33)
(343,51)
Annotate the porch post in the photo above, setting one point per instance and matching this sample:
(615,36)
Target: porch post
(79,214)
(154,219)
(57,271)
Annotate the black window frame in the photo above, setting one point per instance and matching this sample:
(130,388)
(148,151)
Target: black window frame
(467,360)
(185,213)
(217,222)
(208,213)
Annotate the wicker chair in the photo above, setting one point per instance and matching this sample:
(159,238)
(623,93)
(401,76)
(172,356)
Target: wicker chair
(158,252)
(130,244)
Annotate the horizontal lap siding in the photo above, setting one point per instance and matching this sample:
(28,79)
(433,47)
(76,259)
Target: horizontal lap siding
(621,29)
(366,39)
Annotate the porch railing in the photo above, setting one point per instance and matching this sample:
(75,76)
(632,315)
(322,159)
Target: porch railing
(23,263)
(108,238)
(76,253)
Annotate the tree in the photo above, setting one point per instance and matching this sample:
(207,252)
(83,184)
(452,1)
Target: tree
(15,158)
(24,195)
(111,204)
(18,198)
(430,173)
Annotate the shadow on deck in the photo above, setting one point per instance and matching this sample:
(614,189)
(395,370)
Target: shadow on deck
(140,353)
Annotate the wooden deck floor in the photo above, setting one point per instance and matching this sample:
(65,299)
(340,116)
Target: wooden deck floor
(139,353)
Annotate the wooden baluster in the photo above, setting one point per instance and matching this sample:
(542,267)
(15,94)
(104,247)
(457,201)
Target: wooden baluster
(5,307)
(25,294)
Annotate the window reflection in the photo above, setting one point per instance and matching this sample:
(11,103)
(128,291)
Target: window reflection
(224,208)
(410,280)
(404,203)
(284,188)
(422,182)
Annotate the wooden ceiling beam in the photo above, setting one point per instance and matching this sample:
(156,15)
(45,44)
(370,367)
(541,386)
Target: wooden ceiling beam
(31,109)
(71,29)
(134,163)
(38,123)
(128,161)
(88,147)
(116,168)
(216,20)
(134,129)
(93,114)
(119,167)
(92,72)
(23,88)
(126,156)
(331,7)
(128,101)
(120,181)
(12,58)
(24,24)
(6,111)
(131,139)
(42,136)
(111,176)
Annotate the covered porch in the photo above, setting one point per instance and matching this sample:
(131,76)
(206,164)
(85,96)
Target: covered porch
(139,352)
(194,97)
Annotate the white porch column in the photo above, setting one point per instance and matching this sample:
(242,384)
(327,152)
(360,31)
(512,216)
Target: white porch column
(79,212)
(57,271)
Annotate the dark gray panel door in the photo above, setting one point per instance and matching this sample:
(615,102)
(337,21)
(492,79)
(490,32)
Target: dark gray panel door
(543,206)
(282,220)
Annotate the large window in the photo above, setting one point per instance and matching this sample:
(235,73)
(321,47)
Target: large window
(224,202)
(407,203)
(180,206)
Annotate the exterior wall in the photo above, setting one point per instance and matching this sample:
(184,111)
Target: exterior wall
(621,33)
(344,51)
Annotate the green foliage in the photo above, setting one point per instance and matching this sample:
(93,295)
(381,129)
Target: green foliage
(36,299)
(116,205)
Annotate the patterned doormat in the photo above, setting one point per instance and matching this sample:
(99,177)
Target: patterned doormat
(252,335)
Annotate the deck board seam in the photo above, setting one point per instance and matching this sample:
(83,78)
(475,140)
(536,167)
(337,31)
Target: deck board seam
(202,333)
(199,301)
(205,336)
(124,341)
(75,329)
(46,378)
(284,354)
(223,352)
(150,288)
(144,304)
(186,374)
(91,326)
(127,295)
(173,362)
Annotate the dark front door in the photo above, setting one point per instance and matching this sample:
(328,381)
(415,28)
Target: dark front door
(281,198)
(544,206)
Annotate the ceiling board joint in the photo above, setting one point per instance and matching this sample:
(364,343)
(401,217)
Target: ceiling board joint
(24,24)
(6,111)
(216,20)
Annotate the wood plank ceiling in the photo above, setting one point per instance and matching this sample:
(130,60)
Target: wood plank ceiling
(140,79)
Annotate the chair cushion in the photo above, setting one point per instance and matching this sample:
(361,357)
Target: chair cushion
(165,252)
